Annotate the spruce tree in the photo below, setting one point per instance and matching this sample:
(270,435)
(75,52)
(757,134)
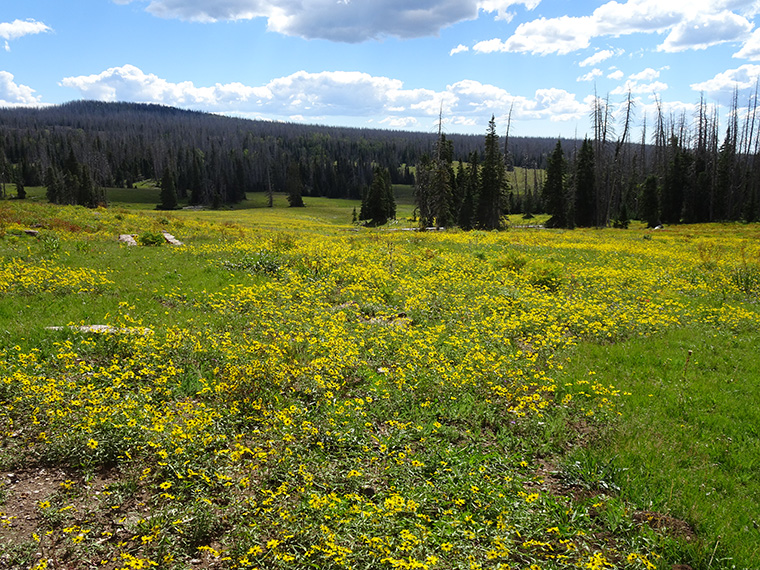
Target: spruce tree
(650,206)
(20,190)
(492,181)
(471,191)
(585,189)
(379,204)
(294,185)
(168,191)
(555,192)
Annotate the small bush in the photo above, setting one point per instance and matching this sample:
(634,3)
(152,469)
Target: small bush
(548,277)
(511,260)
(150,238)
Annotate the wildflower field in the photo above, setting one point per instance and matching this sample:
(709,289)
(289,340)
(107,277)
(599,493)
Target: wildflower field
(286,390)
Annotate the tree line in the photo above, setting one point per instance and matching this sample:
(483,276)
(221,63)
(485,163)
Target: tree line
(686,173)
(681,169)
(209,159)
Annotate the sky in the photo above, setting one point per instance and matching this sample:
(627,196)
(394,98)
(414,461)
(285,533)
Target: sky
(535,65)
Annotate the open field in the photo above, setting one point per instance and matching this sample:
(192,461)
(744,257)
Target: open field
(286,390)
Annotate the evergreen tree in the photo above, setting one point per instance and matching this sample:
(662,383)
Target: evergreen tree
(54,185)
(492,181)
(723,196)
(555,192)
(675,183)
(650,206)
(379,204)
(20,190)
(435,182)
(294,185)
(471,191)
(585,189)
(168,191)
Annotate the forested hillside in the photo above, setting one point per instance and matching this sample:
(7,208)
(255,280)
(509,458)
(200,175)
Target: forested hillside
(212,158)
(681,169)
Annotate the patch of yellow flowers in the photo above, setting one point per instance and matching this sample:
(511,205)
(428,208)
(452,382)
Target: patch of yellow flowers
(329,423)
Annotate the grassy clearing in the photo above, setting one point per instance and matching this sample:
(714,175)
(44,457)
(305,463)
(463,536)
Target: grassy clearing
(687,443)
(312,394)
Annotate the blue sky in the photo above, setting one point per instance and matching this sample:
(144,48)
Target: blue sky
(386,63)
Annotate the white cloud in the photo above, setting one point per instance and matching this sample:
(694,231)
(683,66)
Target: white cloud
(459,49)
(724,83)
(636,87)
(702,31)
(501,7)
(591,75)
(20,28)
(399,122)
(690,24)
(599,57)
(344,21)
(616,75)
(331,94)
(751,48)
(544,36)
(646,75)
(14,95)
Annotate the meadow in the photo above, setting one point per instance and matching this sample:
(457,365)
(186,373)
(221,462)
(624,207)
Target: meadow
(289,390)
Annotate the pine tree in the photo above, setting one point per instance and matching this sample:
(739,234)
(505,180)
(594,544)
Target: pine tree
(555,192)
(492,181)
(168,191)
(585,189)
(20,190)
(294,185)
(650,206)
(379,204)
(471,191)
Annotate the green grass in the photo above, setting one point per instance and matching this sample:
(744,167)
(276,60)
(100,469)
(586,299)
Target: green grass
(260,301)
(688,440)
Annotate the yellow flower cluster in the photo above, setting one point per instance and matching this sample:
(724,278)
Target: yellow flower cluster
(350,400)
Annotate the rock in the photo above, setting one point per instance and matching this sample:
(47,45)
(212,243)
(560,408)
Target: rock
(171,239)
(128,239)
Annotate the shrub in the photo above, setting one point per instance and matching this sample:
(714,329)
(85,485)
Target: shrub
(150,238)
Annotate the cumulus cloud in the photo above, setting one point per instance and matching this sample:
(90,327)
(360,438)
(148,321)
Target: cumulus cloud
(20,28)
(704,30)
(342,20)
(616,75)
(646,75)
(724,83)
(330,94)
(636,87)
(751,48)
(690,24)
(591,75)
(599,57)
(459,49)
(544,36)
(14,95)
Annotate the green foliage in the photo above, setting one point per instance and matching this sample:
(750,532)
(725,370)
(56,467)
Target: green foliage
(309,390)
(555,191)
(150,237)
(547,276)
(585,186)
(650,204)
(379,205)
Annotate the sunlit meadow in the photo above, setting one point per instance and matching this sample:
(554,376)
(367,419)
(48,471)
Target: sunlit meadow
(286,390)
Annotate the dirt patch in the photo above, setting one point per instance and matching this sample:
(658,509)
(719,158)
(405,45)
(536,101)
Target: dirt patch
(23,490)
(671,525)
